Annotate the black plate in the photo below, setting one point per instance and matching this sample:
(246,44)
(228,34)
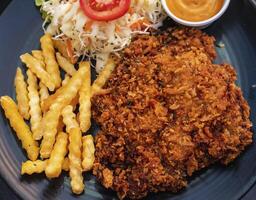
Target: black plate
(20,32)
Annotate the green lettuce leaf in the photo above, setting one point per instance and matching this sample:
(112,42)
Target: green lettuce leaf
(39,2)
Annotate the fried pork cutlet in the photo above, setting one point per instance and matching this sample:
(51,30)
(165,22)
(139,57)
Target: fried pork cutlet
(170,112)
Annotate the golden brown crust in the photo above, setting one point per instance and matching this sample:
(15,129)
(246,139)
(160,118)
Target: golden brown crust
(170,113)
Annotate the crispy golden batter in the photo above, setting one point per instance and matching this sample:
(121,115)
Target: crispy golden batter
(169,113)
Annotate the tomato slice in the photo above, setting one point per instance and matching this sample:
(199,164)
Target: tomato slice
(105,10)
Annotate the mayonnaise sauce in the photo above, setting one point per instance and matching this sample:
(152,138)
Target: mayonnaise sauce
(194,10)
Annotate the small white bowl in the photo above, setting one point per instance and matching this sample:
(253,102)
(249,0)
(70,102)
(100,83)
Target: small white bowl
(200,24)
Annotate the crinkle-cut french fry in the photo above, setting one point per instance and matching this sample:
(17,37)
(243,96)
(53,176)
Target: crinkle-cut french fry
(65,64)
(21,94)
(31,167)
(34,104)
(52,98)
(85,101)
(49,125)
(60,149)
(49,54)
(65,165)
(69,118)
(51,118)
(38,54)
(65,80)
(36,67)
(38,166)
(62,47)
(20,127)
(44,93)
(103,91)
(88,152)
(103,77)
(75,160)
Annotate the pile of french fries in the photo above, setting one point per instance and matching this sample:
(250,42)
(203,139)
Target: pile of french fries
(59,112)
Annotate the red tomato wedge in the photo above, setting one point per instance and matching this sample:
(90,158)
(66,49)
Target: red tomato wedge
(105,10)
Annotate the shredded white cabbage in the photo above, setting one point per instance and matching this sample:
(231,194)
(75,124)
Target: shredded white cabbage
(98,39)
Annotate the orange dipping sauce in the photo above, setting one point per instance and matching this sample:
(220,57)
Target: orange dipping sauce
(194,10)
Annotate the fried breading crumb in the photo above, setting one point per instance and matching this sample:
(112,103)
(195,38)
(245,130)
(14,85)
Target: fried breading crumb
(107,178)
(170,112)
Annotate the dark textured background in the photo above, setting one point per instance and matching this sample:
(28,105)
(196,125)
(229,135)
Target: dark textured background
(6,192)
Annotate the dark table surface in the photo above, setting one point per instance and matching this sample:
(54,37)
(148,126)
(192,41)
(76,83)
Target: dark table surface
(6,193)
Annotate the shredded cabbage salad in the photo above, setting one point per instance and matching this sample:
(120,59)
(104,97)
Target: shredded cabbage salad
(95,39)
